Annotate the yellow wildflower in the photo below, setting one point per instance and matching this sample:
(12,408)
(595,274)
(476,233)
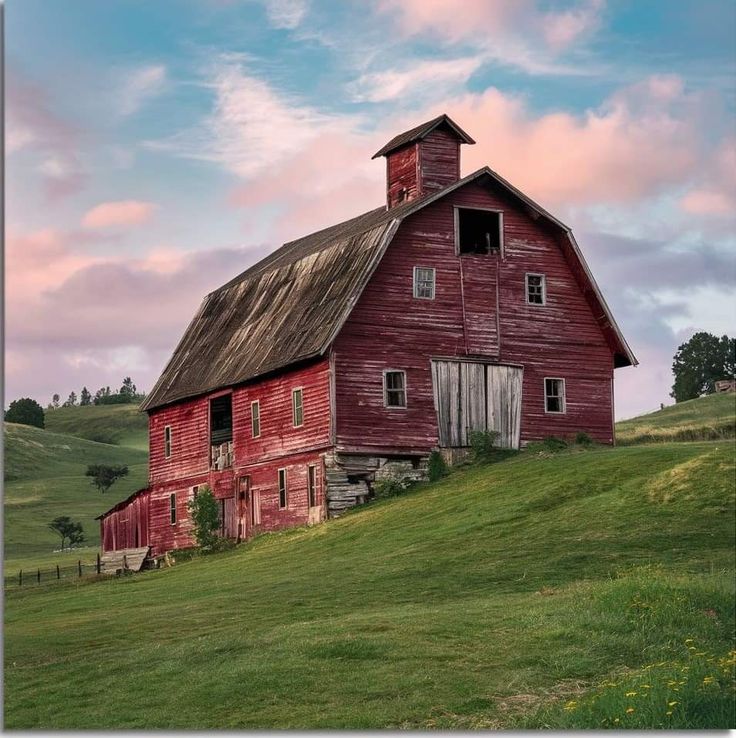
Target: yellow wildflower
(669,712)
(672,704)
(571,705)
(688,640)
(631,694)
(709,680)
(616,720)
(629,710)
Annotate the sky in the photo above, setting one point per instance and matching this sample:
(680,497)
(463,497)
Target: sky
(154,150)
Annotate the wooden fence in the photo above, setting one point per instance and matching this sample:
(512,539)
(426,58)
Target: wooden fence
(34,577)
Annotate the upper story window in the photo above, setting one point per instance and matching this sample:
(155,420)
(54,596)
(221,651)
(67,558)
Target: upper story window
(478,231)
(536,289)
(283,491)
(297,407)
(554,395)
(221,431)
(394,388)
(424,282)
(167,441)
(255,418)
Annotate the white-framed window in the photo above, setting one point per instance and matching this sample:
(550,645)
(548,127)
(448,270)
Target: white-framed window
(255,418)
(167,441)
(478,231)
(172,508)
(297,406)
(256,502)
(394,388)
(283,490)
(536,289)
(424,279)
(554,395)
(312,484)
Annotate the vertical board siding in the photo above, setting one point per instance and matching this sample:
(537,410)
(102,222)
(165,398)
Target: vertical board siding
(388,328)
(439,161)
(401,174)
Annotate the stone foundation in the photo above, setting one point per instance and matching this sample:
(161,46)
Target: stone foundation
(350,477)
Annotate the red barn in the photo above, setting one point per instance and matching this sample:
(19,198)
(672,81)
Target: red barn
(355,351)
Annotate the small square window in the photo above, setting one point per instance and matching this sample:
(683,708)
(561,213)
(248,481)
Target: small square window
(255,418)
(394,388)
(167,441)
(554,395)
(479,231)
(283,493)
(297,407)
(536,292)
(424,283)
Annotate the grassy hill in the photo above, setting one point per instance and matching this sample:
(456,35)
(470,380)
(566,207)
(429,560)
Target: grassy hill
(589,588)
(122,425)
(44,478)
(705,418)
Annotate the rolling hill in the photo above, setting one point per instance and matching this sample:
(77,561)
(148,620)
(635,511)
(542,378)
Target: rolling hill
(589,587)
(120,425)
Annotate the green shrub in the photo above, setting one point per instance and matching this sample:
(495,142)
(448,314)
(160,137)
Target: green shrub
(391,486)
(206,517)
(437,467)
(583,439)
(482,443)
(551,445)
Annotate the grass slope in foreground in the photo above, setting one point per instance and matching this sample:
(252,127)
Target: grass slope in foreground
(706,418)
(121,425)
(44,478)
(494,598)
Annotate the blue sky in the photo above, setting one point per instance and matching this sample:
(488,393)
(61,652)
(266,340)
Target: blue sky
(155,149)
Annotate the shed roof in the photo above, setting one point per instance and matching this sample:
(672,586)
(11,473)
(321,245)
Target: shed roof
(290,306)
(419,132)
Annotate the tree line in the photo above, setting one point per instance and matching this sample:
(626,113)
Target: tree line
(128,393)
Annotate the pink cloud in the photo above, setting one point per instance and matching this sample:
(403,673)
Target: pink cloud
(120,213)
(707,202)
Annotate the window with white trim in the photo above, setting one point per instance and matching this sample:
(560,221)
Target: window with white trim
(255,418)
(536,289)
(424,283)
(167,441)
(172,508)
(554,395)
(394,388)
(297,407)
(283,492)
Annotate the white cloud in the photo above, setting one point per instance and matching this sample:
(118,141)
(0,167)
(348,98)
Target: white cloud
(286,13)
(139,86)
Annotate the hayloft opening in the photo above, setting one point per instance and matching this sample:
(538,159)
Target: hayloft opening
(221,431)
(479,231)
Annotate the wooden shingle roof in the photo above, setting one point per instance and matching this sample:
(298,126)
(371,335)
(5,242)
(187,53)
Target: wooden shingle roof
(419,132)
(290,306)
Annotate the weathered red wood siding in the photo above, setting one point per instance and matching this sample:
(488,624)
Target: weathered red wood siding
(401,175)
(390,329)
(127,527)
(439,161)
(280,445)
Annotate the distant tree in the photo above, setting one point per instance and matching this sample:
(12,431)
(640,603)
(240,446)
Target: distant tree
(700,362)
(76,535)
(206,518)
(104,476)
(71,401)
(128,390)
(101,394)
(25,411)
(55,400)
(67,530)
(85,397)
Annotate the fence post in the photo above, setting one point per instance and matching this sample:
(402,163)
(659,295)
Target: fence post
(39,576)
(125,563)
(98,563)
(58,573)
(20,578)
(79,567)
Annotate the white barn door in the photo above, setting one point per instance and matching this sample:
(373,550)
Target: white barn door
(472,396)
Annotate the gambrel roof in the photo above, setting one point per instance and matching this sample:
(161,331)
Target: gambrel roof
(290,306)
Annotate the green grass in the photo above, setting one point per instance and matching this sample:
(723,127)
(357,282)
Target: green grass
(707,418)
(490,599)
(122,425)
(44,478)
